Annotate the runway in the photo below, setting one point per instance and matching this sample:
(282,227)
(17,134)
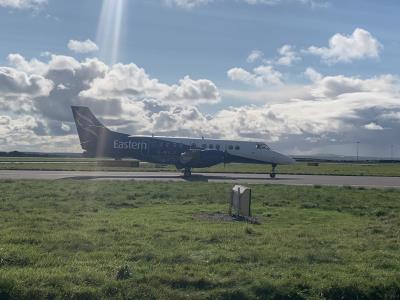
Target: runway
(359,181)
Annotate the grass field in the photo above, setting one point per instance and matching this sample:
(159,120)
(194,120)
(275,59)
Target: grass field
(322,169)
(87,240)
(46,159)
(85,164)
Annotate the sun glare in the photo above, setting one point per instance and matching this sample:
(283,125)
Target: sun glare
(110,29)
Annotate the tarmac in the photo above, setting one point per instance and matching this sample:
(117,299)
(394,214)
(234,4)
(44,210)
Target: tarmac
(323,180)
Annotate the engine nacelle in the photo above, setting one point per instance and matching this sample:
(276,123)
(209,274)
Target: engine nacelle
(196,158)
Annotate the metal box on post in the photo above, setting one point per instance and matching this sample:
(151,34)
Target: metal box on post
(240,201)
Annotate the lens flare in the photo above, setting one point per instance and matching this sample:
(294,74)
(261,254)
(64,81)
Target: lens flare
(110,29)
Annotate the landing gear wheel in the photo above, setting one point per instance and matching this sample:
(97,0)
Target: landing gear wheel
(273,172)
(187,173)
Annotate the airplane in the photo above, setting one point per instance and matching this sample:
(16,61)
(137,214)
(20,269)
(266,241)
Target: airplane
(185,153)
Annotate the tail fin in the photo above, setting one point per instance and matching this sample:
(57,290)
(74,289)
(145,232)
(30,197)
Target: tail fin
(90,130)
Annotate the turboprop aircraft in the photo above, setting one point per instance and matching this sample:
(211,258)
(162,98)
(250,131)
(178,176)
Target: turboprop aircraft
(185,153)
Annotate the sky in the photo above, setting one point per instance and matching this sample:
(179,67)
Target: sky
(306,76)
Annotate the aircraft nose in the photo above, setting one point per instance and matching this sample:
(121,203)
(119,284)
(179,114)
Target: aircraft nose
(281,159)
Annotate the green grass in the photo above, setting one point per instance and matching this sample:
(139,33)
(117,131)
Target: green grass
(323,169)
(84,164)
(46,159)
(74,164)
(87,240)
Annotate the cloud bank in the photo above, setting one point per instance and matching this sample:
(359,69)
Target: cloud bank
(23,4)
(359,45)
(82,46)
(190,4)
(36,95)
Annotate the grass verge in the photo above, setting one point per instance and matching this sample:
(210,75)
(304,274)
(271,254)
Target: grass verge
(89,240)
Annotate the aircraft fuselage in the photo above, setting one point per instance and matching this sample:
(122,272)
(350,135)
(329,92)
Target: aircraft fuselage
(185,153)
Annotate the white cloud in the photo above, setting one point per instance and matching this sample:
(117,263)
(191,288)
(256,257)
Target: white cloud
(201,91)
(47,89)
(331,108)
(63,62)
(359,45)
(14,82)
(82,46)
(22,4)
(276,94)
(312,3)
(316,3)
(254,56)
(260,77)
(392,116)
(65,127)
(189,4)
(334,86)
(331,87)
(268,2)
(33,66)
(287,56)
(313,75)
(132,81)
(21,133)
(5,120)
(373,126)
(326,119)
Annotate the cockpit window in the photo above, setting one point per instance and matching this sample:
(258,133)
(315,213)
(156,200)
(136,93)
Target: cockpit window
(263,146)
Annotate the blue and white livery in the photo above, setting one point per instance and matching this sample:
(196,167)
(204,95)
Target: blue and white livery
(185,153)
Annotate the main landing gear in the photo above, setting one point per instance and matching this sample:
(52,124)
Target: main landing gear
(273,172)
(187,172)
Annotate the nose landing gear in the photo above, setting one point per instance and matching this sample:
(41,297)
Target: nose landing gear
(273,172)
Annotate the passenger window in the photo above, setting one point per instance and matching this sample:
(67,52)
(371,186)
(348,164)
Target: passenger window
(230,147)
(204,146)
(237,148)
(217,147)
(211,146)
(263,146)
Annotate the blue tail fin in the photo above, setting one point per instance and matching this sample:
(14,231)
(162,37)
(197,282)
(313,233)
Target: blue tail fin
(90,130)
